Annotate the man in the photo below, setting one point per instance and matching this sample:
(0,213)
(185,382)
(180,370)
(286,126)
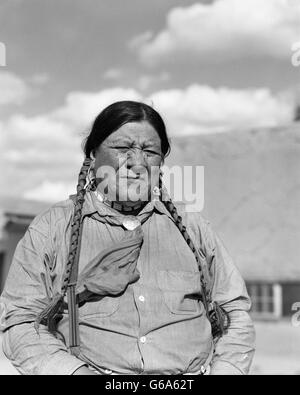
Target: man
(113,281)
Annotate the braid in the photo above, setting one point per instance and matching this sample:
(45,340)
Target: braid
(75,228)
(50,315)
(217,316)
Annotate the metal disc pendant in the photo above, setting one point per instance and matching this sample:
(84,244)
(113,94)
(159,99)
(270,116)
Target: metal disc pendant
(131,223)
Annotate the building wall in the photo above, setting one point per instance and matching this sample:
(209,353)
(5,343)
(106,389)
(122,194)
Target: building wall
(273,300)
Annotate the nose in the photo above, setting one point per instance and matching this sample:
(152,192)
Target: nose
(137,159)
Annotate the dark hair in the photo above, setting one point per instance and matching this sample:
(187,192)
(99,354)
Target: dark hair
(117,114)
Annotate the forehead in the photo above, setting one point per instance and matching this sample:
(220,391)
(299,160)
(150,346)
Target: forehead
(139,132)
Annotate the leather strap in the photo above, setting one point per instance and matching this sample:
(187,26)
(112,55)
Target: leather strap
(74,338)
(206,366)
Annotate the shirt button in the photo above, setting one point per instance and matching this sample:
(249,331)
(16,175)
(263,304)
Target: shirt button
(143,339)
(141,298)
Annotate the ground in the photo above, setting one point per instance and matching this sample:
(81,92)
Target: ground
(277,350)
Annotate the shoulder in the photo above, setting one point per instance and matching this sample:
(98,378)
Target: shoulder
(194,218)
(55,216)
(198,225)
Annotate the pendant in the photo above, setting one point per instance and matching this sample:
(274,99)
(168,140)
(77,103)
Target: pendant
(156,194)
(131,223)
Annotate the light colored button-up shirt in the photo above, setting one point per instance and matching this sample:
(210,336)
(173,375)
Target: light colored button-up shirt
(157,326)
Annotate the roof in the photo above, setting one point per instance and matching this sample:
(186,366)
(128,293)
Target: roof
(252,196)
(19,206)
(19,211)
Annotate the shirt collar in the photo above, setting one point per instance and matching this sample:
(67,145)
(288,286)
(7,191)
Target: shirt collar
(92,204)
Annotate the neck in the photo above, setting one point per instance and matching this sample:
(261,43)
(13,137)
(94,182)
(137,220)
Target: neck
(126,208)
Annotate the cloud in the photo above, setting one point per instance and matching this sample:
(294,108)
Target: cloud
(112,74)
(13,90)
(51,191)
(40,79)
(147,81)
(42,154)
(90,104)
(54,139)
(202,109)
(63,126)
(224,30)
(140,40)
(44,151)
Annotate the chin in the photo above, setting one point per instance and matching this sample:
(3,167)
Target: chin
(132,197)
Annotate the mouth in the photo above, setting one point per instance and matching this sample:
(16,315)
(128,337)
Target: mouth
(132,177)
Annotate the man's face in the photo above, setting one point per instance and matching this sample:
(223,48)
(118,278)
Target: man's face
(127,163)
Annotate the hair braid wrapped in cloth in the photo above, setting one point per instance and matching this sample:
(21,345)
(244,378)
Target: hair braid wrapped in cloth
(217,316)
(51,313)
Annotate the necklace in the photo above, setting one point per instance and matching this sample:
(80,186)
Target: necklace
(118,206)
(130,223)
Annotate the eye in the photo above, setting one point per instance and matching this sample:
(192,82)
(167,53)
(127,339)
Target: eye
(122,148)
(151,151)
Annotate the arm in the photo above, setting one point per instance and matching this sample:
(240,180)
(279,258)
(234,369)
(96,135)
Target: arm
(234,351)
(28,290)
(33,354)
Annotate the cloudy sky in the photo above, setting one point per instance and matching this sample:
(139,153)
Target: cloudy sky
(207,66)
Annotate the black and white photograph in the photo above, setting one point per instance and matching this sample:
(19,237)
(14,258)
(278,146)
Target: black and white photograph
(149,190)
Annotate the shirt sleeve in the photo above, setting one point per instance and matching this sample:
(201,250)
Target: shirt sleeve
(234,351)
(27,292)
(38,354)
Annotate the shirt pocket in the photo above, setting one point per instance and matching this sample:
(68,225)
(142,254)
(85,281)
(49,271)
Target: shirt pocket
(99,306)
(181,291)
